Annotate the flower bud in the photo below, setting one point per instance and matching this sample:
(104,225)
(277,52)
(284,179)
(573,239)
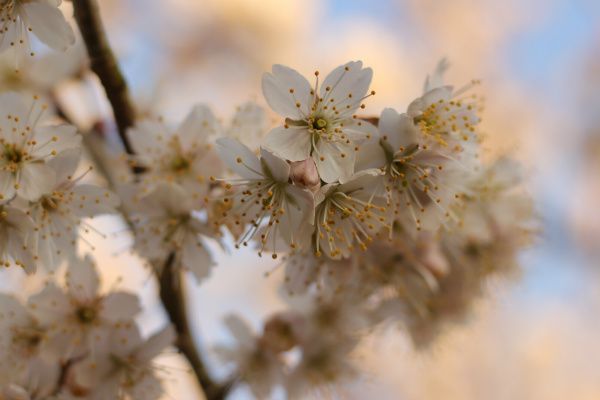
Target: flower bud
(304,174)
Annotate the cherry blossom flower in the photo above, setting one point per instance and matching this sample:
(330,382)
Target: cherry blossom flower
(184,156)
(349,215)
(319,120)
(256,364)
(58,213)
(81,318)
(26,145)
(166,223)
(424,179)
(125,367)
(264,194)
(20,18)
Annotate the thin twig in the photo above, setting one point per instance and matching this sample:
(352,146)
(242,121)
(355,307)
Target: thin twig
(173,298)
(104,64)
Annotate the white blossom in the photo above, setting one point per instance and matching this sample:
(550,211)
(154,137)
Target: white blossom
(166,222)
(58,213)
(125,367)
(255,364)
(264,194)
(319,120)
(26,145)
(80,318)
(350,215)
(43,18)
(183,156)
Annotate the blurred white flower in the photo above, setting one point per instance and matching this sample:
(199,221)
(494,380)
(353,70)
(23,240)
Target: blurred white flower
(26,145)
(264,194)
(319,121)
(20,18)
(125,367)
(255,364)
(58,213)
(183,156)
(166,224)
(81,318)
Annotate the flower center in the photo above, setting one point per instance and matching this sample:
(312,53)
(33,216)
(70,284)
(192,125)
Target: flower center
(86,315)
(180,164)
(12,154)
(319,124)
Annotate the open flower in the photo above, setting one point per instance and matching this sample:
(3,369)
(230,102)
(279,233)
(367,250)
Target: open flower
(264,194)
(81,318)
(424,179)
(125,368)
(350,214)
(26,146)
(58,213)
(319,120)
(166,223)
(183,156)
(20,18)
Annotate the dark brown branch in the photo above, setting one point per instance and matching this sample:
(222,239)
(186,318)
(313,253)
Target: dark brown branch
(104,64)
(173,298)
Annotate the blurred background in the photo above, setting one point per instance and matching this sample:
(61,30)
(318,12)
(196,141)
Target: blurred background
(535,337)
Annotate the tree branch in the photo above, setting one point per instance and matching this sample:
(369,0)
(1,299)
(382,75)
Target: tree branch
(104,64)
(173,298)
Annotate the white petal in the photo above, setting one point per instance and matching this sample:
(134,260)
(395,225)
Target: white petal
(82,279)
(148,137)
(36,179)
(50,305)
(397,129)
(65,164)
(239,158)
(90,200)
(7,186)
(291,143)
(49,25)
(120,306)
(334,167)
(156,344)
(198,125)
(55,139)
(347,85)
(196,258)
(277,88)
(240,330)
(277,168)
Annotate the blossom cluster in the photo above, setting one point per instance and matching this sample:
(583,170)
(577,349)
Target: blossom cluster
(390,220)
(73,341)
(399,222)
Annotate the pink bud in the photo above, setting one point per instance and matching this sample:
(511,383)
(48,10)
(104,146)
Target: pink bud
(304,174)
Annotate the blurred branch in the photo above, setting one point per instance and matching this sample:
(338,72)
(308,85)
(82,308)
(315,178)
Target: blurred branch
(173,298)
(104,64)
